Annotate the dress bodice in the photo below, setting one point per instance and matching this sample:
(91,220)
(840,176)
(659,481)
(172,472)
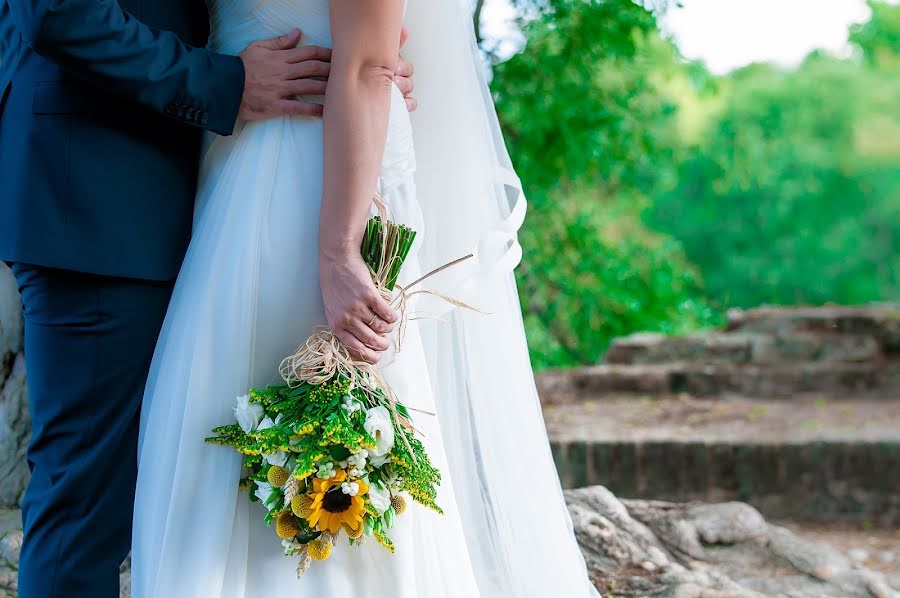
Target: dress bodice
(236,23)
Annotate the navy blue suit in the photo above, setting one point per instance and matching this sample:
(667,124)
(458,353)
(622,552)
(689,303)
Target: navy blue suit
(102,107)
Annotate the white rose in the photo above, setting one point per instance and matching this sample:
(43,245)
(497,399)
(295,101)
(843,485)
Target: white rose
(279,458)
(263,491)
(379,497)
(267,422)
(380,460)
(248,414)
(378,425)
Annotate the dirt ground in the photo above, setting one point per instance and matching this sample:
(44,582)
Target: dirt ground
(685,418)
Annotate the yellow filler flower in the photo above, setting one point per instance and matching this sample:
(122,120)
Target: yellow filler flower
(335,503)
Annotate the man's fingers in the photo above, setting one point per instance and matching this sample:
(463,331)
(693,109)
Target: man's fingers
(305,87)
(298,108)
(282,42)
(309,68)
(304,53)
(411,104)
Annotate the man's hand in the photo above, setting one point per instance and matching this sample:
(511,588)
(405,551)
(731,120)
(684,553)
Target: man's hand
(403,74)
(276,71)
(356,313)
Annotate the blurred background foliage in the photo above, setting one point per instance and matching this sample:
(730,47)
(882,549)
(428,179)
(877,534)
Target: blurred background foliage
(661,195)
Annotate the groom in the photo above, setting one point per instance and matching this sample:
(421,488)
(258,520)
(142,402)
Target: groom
(102,105)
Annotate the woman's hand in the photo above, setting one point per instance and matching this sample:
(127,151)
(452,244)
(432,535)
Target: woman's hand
(403,74)
(351,305)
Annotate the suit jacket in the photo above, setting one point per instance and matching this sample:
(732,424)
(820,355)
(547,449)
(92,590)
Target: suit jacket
(102,107)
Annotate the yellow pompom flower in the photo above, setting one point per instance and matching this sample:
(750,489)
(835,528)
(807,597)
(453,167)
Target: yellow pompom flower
(399,503)
(318,549)
(355,534)
(277,476)
(286,526)
(301,504)
(332,506)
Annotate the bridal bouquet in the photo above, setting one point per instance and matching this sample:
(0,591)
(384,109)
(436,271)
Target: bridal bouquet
(332,450)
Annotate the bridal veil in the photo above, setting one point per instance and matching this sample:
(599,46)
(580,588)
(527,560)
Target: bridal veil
(517,527)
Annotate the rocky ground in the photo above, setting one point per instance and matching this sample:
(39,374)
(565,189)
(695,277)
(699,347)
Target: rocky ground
(871,547)
(654,549)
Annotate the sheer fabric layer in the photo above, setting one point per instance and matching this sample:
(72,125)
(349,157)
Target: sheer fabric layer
(248,294)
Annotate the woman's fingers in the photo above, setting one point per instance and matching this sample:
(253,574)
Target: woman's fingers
(379,325)
(356,348)
(381,308)
(404,84)
(368,337)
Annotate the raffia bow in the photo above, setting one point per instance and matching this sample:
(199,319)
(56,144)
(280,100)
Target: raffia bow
(323,355)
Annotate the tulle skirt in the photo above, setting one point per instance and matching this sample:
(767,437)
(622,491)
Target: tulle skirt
(246,297)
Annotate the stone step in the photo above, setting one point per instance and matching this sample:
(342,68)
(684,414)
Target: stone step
(740,348)
(780,381)
(808,459)
(880,321)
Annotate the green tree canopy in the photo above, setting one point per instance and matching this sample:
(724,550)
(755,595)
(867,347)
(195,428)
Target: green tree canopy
(778,202)
(879,37)
(590,132)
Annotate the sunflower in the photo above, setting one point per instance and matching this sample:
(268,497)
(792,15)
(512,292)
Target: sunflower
(331,506)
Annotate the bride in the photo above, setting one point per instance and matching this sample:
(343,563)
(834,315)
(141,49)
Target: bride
(275,252)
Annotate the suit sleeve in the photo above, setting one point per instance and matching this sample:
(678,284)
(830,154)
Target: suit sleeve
(98,40)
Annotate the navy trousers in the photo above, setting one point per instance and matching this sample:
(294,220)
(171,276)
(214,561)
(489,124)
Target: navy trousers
(88,344)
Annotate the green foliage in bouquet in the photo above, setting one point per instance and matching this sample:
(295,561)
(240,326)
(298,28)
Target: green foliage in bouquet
(332,452)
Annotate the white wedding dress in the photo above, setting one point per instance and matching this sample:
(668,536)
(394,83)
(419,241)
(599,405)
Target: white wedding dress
(248,294)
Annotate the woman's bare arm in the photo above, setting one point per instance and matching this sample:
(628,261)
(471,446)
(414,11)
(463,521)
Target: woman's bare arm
(366,35)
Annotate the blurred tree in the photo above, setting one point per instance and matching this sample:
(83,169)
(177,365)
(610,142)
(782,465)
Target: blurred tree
(578,105)
(773,186)
(592,273)
(777,202)
(879,38)
(591,133)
